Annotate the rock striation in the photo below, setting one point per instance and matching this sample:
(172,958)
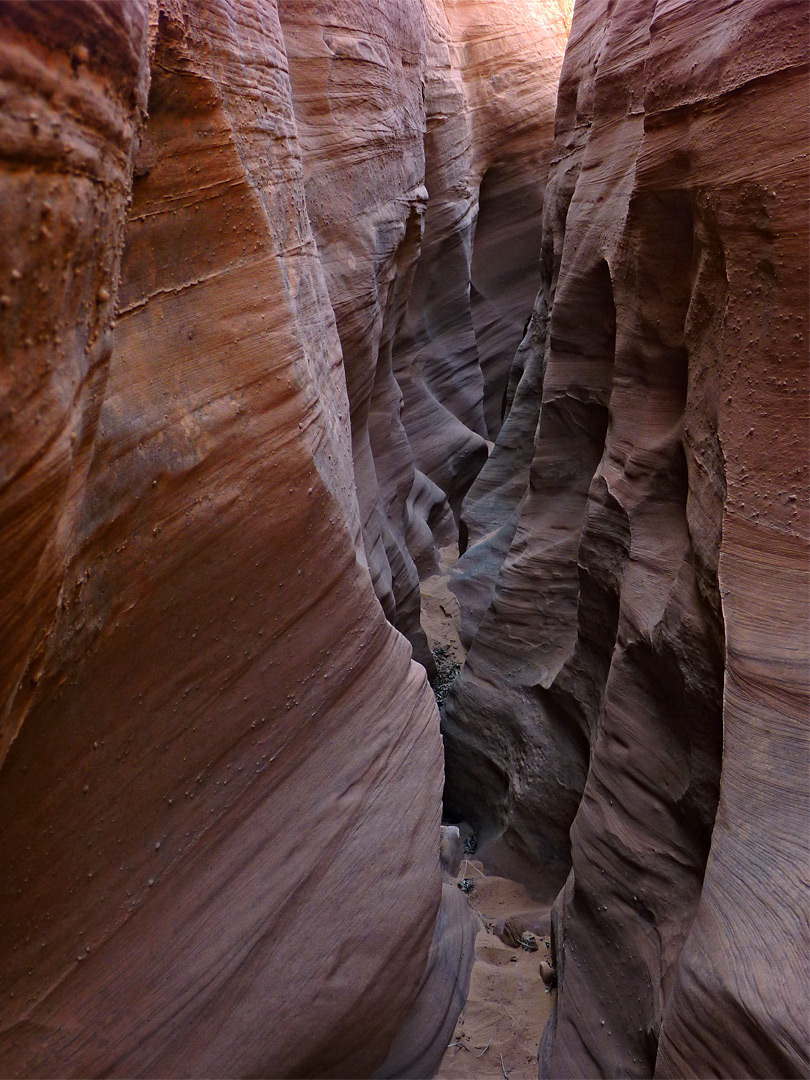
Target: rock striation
(489,98)
(210,760)
(630,726)
(221,777)
(357,72)
(427,223)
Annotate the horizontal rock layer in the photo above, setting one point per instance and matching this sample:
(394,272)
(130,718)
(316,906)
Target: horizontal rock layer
(630,724)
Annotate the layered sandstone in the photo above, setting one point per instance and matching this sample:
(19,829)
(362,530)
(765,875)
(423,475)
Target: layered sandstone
(221,788)
(489,96)
(428,225)
(357,72)
(67,137)
(221,809)
(634,702)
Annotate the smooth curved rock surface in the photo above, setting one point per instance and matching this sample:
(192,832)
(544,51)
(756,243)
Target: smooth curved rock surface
(491,80)
(634,702)
(428,242)
(357,72)
(220,814)
(419,1047)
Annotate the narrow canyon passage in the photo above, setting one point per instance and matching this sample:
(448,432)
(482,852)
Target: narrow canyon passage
(404,450)
(509,998)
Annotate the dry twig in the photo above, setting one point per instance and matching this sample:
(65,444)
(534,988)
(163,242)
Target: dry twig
(484,1050)
(505,1073)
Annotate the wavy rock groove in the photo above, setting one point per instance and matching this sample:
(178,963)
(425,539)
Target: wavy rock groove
(628,726)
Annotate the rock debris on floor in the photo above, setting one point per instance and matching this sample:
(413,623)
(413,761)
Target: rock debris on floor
(508,1004)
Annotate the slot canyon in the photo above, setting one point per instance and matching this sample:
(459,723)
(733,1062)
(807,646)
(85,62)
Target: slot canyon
(404,527)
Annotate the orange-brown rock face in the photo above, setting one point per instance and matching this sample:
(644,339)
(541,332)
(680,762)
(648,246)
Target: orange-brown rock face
(67,132)
(221,784)
(220,814)
(634,704)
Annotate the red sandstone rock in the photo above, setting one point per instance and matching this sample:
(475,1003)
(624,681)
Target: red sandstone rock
(651,613)
(220,815)
(359,112)
(66,131)
(221,796)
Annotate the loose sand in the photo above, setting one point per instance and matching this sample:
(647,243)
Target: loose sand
(440,616)
(499,1030)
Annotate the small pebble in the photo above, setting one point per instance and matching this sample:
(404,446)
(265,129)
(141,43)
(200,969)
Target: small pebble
(547,973)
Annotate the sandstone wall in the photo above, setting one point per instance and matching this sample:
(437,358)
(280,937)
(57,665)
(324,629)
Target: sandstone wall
(489,96)
(221,810)
(634,703)
(221,790)
(357,72)
(428,225)
(67,136)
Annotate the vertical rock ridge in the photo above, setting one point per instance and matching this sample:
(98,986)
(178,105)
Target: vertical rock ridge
(627,689)
(490,81)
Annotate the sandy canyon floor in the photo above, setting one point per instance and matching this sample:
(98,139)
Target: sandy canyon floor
(499,1030)
(508,1004)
